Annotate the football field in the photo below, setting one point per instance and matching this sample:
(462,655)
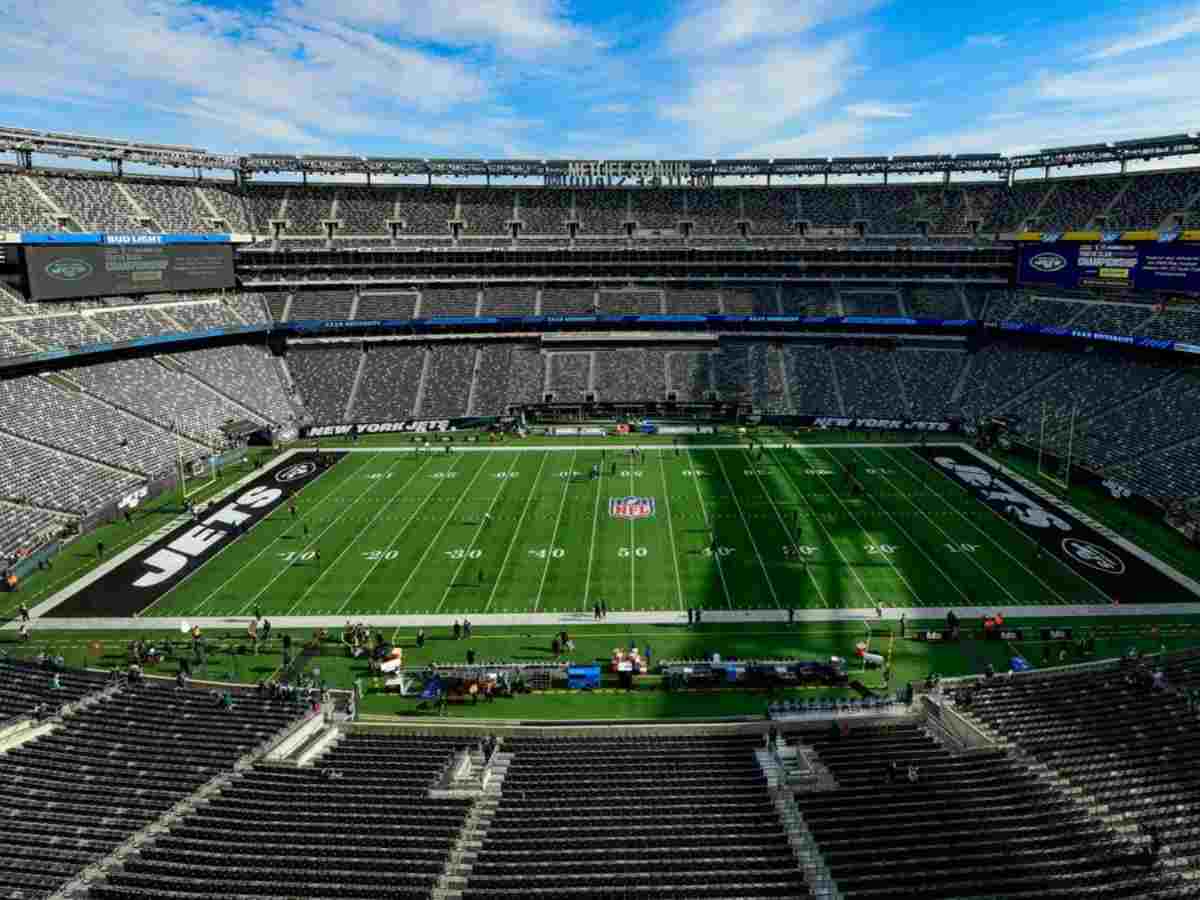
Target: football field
(556,530)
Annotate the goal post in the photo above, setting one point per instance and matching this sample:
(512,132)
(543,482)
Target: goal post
(195,473)
(1060,436)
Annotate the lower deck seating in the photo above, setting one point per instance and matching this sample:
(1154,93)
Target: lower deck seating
(973,825)
(71,796)
(288,833)
(633,817)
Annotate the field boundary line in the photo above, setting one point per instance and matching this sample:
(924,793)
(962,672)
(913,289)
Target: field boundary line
(646,617)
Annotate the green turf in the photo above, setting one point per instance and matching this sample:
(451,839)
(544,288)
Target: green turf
(519,532)
(910,659)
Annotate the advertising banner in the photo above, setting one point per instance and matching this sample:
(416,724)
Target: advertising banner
(64,271)
(1137,265)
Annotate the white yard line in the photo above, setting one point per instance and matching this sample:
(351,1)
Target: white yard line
(516,531)
(474,538)
(786,530)
(632,547)
(571,448)
(249,604)
(238,571)
(867,535)
(670,527)
(828,535)
(445,521)
(944,534)
(708,525)
(403,528)
(1028,538)
(749,532)
(562,503)
(353,542)
(999,546)
(587,585)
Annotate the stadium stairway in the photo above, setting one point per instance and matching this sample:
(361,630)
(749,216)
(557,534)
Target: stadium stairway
(808,855)
(466,847)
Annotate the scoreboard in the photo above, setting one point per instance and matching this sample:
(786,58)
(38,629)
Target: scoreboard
(1136,265)
(73,266)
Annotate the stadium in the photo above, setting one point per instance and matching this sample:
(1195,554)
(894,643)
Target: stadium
(522,528)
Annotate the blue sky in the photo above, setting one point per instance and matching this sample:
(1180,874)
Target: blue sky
(597,80)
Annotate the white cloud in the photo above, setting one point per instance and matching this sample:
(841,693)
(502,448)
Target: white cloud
(274,78)
(995,41)
(1152,36)
(880,110)
(841,137)
(742,101)
(705,26)
(517,26)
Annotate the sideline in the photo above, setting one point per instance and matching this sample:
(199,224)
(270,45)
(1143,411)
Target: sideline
(654,617)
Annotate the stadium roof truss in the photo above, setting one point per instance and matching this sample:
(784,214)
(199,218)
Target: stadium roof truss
(25,142)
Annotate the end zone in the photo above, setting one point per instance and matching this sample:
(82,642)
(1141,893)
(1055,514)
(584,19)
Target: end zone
(146,572)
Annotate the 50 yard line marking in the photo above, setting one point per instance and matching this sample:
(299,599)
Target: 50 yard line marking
(670,527)
(446,521)
(554,537)
(632,546)
(707,525)
(516,531)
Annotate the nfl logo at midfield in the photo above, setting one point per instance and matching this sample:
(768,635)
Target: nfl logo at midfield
(631,507)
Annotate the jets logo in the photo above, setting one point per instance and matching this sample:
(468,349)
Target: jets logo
(1048,262)
(631,507)
(295,472)
(1093,557)
(69,269)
